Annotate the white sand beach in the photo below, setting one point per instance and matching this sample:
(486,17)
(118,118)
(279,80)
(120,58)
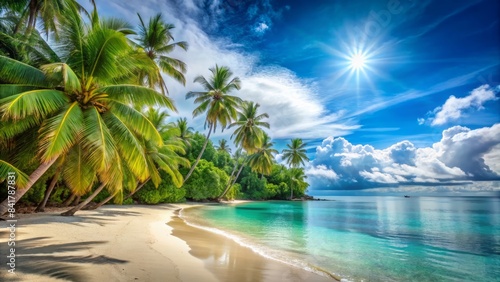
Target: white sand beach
(132,243)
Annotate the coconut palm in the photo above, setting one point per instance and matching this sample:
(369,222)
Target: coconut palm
(78,109)
(48,11)
(262,160)
(185,132)
(223,146)
(155,41)
(31,49)
(166,157)
(219,106)
(249,134)
(297,177)
(295,155)
(239,159)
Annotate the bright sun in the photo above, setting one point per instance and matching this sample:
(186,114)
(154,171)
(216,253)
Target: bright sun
(358,61)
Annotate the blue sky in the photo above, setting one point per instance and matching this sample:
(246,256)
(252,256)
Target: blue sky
(421,109)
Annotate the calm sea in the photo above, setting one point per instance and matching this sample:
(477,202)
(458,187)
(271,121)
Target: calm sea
(370,238)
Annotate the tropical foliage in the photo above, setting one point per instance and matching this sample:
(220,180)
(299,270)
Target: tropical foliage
(155,42)
(84,115)
(249,133)
(219,107)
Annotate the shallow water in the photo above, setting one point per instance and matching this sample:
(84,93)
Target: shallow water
(370,238)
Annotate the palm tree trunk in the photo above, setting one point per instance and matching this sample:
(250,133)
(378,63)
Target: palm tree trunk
(137,189)
(32,17)
(69,200)
(72,211)
(228,183)
(291,191)
(238,174)
(35,175)
(76,201)
(199,156)
(103,202)
(41,206)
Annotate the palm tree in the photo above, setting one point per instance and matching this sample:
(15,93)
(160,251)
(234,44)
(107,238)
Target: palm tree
(185,132)
(155,41)
(49,12)
(239,158)
(31,49)
(223,146)
(48,192)
(166,157)
(219,106)
(78,109)
(262,160)
(297,177)
(295,156)
(249,134)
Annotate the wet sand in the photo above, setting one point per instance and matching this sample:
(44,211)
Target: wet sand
(230,261)
(132,243)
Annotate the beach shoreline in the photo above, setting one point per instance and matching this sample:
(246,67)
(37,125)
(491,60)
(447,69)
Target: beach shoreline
(132,243)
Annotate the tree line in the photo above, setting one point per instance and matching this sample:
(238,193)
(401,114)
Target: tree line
(84,113)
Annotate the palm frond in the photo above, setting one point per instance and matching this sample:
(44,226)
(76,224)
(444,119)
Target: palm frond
(138,95)
(37,103)
(59,133)
(77,173)
(97,141)
(6,170)
(63,75)
(12,89)
(128,145)
(136,121)
(15,72)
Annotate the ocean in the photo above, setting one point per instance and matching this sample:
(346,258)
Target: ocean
(376,238)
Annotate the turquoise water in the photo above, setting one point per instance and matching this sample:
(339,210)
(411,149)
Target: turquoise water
(370,238)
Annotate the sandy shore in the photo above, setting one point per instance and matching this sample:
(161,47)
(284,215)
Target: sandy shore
(131,243)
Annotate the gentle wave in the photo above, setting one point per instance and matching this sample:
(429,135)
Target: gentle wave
(266,251)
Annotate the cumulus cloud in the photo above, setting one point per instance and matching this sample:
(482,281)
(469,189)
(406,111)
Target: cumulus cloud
(454,107)
(261,27)
(462,155)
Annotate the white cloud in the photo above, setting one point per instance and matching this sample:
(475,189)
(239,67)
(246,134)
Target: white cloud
(322,171)
(455,108)
(294,108)
(261,27)
(461,155)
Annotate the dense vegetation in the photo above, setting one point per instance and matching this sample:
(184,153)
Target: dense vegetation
(84,117)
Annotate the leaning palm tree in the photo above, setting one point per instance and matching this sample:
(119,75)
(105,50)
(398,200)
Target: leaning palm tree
(249,134)
(79,111)
(155,41)
(219,106)
(239,159)
(295,156)
(223,147)
(167,156)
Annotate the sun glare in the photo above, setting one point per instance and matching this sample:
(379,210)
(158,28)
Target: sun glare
(358,61)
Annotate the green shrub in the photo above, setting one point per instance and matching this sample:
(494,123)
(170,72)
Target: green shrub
(207,182)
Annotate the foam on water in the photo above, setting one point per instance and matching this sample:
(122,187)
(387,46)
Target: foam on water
(368,238)
(264,251)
